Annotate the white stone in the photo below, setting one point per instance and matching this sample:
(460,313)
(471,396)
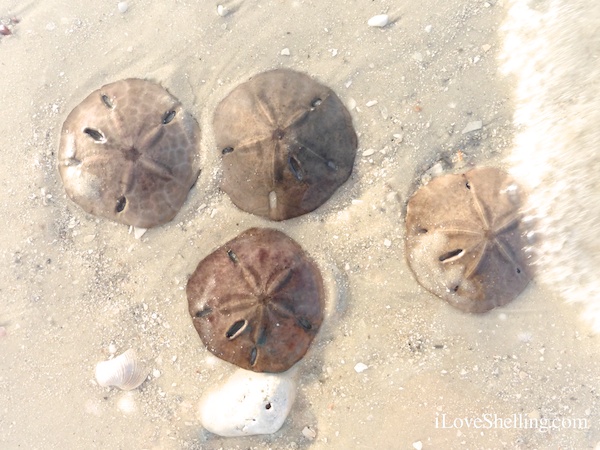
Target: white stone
(380,20)
(122,7)
(248,403)
(285,52)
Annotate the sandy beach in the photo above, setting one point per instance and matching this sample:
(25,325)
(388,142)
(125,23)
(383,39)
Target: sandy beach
(75,288)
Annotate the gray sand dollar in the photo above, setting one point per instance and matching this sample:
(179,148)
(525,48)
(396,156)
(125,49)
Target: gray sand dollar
(127,152)
(287,144)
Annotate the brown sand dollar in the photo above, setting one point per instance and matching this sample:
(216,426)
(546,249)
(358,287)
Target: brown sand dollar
(287,144)
(257,301)
(127,153)
(465,239)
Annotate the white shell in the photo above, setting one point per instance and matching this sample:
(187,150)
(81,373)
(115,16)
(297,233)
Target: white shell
(124,371)
(380,20)
(248,403)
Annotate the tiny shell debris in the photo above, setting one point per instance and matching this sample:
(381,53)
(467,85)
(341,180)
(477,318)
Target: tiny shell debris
(368,152)
(380,20)
(139,232)
(126,404)
(285,52)
(418,56)
(309,433)
(418,445)
(473,126)
(351,104)
(122,7)
(371,103)
(222,10)
(360,367)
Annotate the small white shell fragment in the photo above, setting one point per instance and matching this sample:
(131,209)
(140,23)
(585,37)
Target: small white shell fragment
(360,367)
(222,10)
(285,52)
(122,7)
(371,103)
(387,243)
(126,404)
(418,445)
(368,152)
(399,137)
(351,103)
(384,113)
(248,403)
(139,232)
(473,126)
(309,433)
(124,371)
(428,29)
(486,47)
(380,20)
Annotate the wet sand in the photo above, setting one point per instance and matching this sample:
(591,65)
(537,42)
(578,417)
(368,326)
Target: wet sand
(74,286)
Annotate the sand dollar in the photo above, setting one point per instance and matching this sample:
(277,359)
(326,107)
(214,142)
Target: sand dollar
(465,239)
(127,152)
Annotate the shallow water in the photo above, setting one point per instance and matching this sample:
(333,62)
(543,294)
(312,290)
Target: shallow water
(72,284)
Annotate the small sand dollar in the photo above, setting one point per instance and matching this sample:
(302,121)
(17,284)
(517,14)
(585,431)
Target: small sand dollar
(257,301)
(287,144)
(127,152)
(465,239)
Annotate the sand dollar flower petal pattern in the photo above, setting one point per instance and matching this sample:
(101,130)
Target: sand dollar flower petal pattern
(127,152)
(257,301)
(287,143)
(465,239)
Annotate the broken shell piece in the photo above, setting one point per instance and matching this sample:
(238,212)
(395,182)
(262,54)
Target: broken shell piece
(139,232)
(125,371)
(248,403)
(222,10)
(380,20)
